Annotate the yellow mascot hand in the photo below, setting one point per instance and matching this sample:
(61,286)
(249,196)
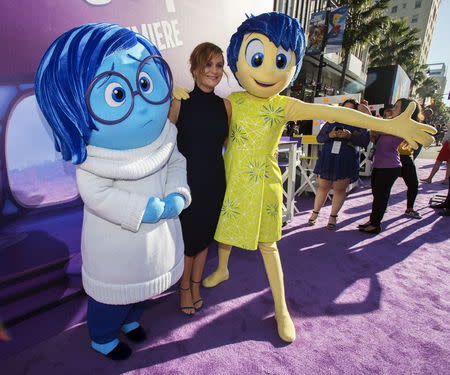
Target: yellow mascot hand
(180,93)
(411,131)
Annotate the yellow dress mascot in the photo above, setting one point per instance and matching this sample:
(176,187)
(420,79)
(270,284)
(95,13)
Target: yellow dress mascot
(265,55)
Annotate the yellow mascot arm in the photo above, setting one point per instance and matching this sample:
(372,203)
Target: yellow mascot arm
(180,93)
(402,126)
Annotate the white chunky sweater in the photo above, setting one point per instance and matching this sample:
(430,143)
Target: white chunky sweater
(126,261)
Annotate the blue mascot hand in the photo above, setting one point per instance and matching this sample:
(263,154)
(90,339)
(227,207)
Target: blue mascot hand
(174,205)
(154,210)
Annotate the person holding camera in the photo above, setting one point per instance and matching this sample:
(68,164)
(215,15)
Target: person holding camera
(387,167)
(338,164)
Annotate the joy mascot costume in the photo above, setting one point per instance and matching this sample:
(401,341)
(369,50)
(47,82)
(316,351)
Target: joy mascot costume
(265,55)
(105,92)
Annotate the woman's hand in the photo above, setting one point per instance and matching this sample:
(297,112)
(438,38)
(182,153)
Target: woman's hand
(333,133)
(339,133)
(344,133)
(405,147)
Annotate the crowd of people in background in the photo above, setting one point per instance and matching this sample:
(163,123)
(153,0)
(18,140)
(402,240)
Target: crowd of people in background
(441,134)
(338,164)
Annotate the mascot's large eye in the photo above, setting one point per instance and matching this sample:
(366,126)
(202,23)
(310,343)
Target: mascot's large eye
(254,53)
(283,58)
(115,94)
(145,83)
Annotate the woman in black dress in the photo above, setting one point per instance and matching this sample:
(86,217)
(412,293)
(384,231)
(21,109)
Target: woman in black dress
(202,122)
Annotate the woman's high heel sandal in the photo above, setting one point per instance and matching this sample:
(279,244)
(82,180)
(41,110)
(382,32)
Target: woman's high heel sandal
(312,220)
(187,310)
(332,222)
(199,300)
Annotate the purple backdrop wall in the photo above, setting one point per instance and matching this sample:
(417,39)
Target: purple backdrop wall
(175,26)
(28,162)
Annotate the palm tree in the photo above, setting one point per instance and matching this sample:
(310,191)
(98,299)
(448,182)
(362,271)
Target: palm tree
(428,88)
(397,44)
(440,111)
(364,20)
(415,71)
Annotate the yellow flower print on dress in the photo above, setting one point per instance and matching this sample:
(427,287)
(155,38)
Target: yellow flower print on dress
(257,170)
(272,115)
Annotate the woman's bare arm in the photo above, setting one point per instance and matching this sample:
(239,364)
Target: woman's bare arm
(174,111)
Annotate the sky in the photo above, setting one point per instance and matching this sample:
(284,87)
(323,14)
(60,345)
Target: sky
(440,46)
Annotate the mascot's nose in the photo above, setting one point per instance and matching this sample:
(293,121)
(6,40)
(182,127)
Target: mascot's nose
(141,106)
(143,110)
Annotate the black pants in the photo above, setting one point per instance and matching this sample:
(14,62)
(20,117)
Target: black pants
(382,181)
(409,175)
(416,152)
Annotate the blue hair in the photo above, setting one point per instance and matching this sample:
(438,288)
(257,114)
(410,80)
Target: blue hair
(278,27)
(63,77)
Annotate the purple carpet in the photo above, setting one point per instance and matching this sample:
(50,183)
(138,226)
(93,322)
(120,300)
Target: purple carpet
(361,304)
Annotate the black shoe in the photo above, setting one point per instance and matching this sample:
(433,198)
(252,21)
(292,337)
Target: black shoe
(187,310)
(332,222)
(375,230)
(362,226)
(136,335)
(445,212)
(314,216)
(414,214)
(439,205)
(199,300)
(120,352)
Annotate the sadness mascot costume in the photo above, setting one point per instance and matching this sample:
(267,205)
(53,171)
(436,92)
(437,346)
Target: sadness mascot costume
(265,55)
(105,92)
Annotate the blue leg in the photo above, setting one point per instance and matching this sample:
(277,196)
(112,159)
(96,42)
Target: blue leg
(104,324)
(131,327)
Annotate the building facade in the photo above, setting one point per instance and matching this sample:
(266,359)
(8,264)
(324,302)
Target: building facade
(421,14)
(307,84)
(438,72)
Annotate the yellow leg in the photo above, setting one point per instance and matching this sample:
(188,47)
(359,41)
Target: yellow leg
(221,273)
(272,263)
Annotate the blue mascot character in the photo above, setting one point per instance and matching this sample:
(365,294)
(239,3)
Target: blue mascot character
(105,92)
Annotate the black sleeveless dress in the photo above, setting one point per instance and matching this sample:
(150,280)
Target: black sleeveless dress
(202,129)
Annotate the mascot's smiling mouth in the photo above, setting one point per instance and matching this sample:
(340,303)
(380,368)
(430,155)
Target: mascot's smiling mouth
(264,84)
